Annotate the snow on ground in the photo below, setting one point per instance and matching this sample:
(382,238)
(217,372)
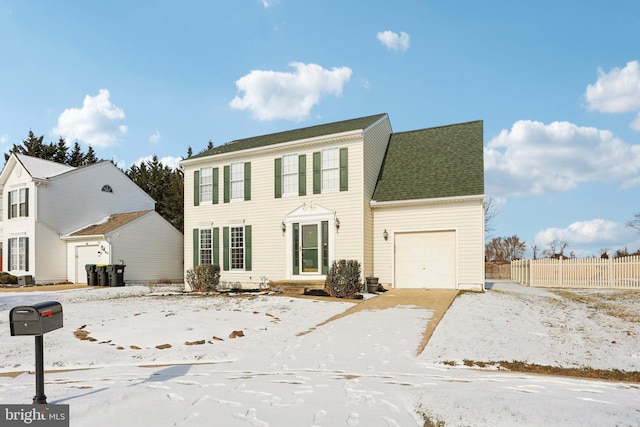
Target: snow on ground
(288,369)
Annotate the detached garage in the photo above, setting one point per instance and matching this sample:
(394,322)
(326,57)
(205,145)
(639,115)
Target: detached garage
(428,214)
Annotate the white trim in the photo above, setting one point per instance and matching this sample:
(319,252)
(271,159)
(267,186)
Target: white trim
(436,200)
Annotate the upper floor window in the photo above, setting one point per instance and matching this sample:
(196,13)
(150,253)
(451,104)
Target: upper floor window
(290,174)
(330,169)
(1,208)
(19,203)
(206,184)
(107,188)
(237,181)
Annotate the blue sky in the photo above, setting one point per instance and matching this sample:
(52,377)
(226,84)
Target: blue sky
(557,84)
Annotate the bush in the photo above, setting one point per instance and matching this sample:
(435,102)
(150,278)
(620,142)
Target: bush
(343,279)
(204,277)
(8,279)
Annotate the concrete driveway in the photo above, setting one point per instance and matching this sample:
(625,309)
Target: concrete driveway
(436,300)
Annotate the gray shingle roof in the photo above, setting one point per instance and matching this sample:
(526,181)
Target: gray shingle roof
(292,135)
(444,161)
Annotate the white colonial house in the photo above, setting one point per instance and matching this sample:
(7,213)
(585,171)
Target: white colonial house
(55,219)
(408,206)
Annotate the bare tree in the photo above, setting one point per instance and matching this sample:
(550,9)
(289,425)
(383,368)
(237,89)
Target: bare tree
(535,250)
(555,249)
(505,249)
(635,222)
(490,212)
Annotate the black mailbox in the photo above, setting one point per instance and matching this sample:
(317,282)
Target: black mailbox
(36,319)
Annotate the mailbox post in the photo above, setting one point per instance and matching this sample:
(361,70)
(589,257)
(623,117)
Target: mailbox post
(36,320)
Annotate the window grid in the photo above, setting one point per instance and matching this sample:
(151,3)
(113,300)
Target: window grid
(237,181)
(206,184)
(237,248)
(17,247)
(330,168)
(206,253)
(290,174)
(19,203)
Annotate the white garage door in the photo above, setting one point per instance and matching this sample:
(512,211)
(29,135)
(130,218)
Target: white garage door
(85,255)
(425,260)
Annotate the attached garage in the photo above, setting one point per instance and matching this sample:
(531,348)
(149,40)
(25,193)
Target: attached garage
(425,260)
(427,210)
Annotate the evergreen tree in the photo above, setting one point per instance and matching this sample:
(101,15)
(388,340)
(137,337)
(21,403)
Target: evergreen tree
(90,157)
(164,185)
(61,155)
(76,158)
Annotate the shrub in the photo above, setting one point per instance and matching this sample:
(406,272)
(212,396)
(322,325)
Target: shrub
(343,279)
(7,278)
(204,277)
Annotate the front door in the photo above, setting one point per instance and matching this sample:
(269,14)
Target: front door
(309,248)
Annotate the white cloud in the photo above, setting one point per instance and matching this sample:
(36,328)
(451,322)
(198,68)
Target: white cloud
(155,138)
(271,95)
(617,91)
(267,3)
(534,158)
(394,41)
(96,123)
(4,139)
(586,238)
(170,161)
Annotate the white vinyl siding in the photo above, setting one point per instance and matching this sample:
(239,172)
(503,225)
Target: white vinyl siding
(290,174)
(206,185)
(464,216)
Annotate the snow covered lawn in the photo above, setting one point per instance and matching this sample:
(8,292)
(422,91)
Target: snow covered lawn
(161,358)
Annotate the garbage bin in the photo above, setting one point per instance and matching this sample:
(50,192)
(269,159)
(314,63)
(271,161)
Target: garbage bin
(103,276)
(92,274)
(116,274)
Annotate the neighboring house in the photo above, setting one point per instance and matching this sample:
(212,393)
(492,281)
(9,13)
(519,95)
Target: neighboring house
(408,206)
(55,219)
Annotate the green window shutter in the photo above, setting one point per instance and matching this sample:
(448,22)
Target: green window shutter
(216,245)
(325,247)
(227,184)
(225,248)
(196,188)
(247,248)
(214,197)
(9,205)
(317,173)
(196,247)
(26,213)
(344,170)
(26,251)
(247,181)
(302,175)
(8,255)
(277,190)
(296,248)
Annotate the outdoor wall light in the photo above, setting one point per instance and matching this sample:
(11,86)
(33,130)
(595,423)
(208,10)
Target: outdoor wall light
(385,235)
(283,227)
(337,223)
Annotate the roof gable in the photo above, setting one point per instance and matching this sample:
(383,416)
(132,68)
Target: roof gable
(446,161)
(41,168)
(293,135)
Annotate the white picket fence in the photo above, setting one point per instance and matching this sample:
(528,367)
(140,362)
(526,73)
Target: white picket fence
(578,273)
